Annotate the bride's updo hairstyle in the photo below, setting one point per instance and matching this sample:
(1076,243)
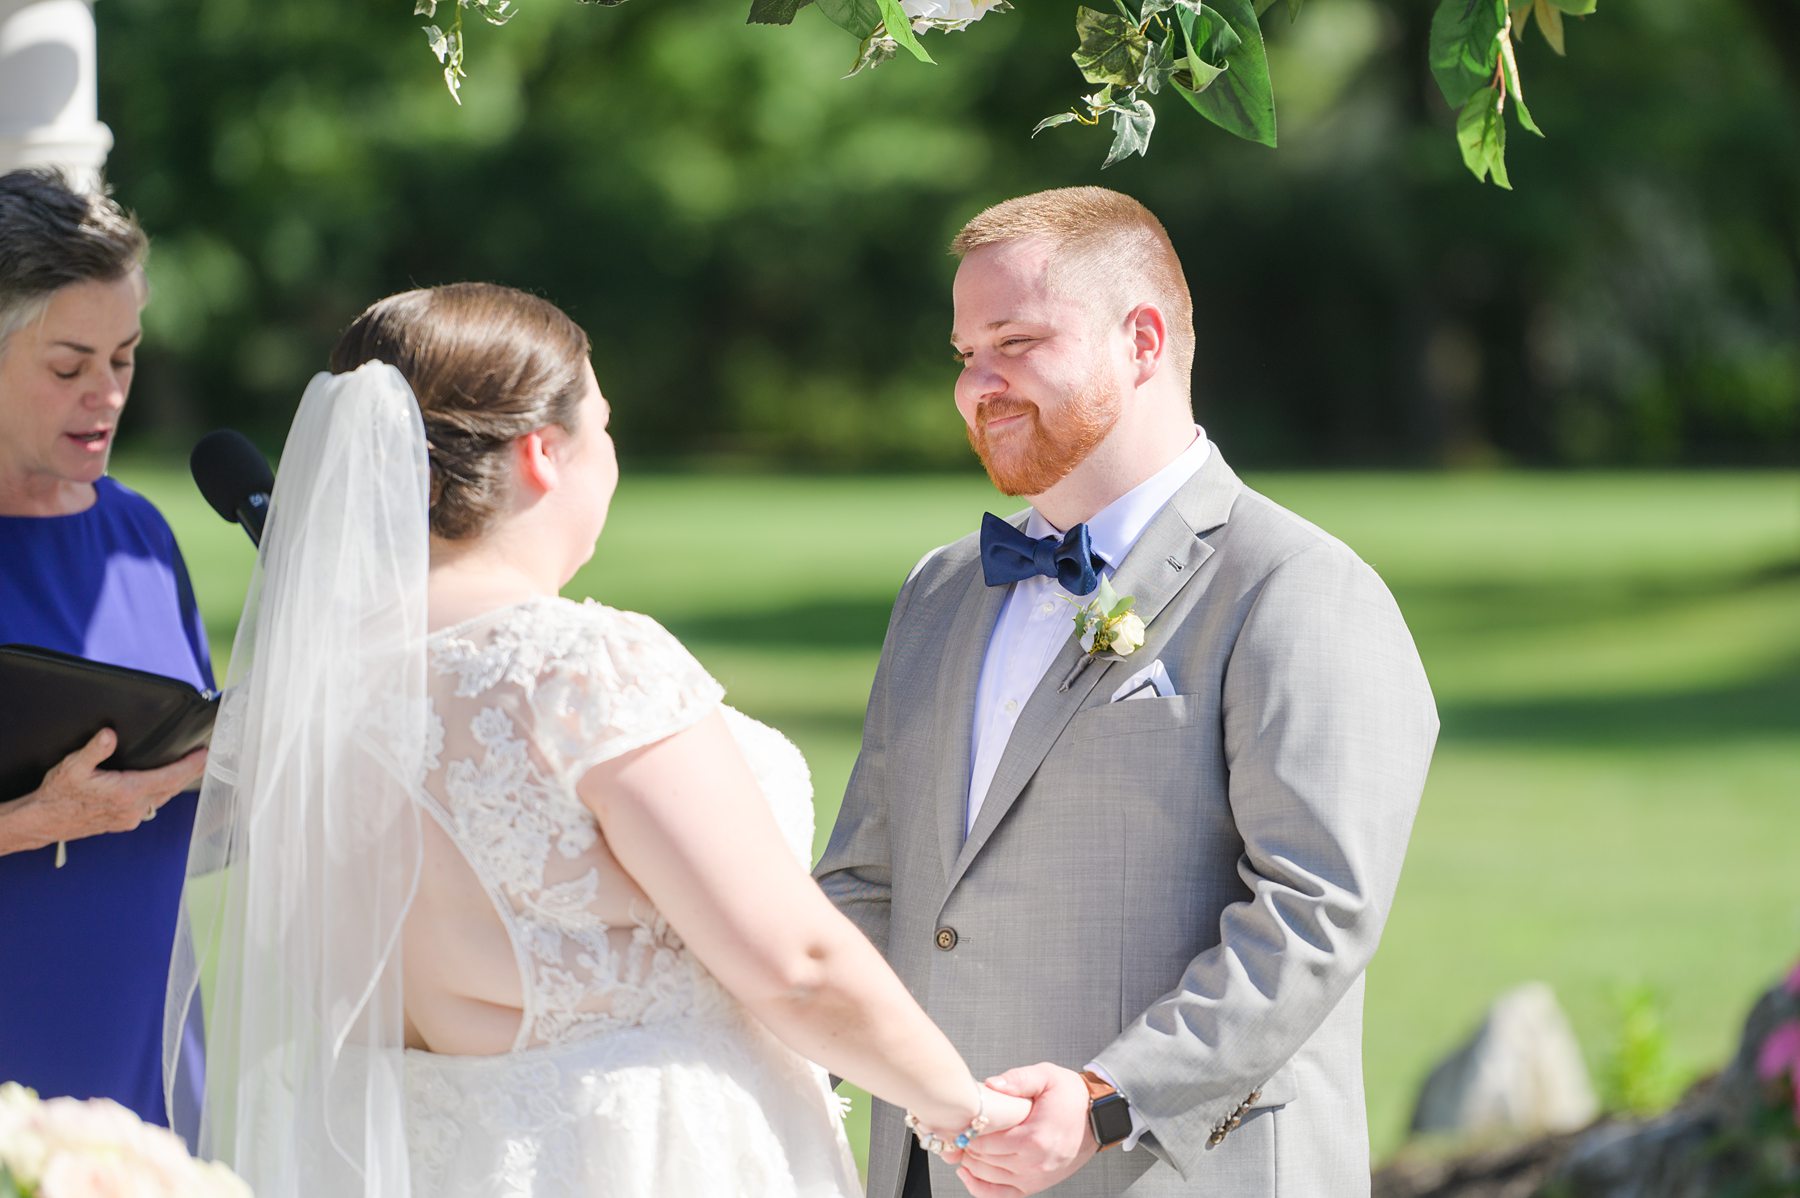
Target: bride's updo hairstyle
(488,364)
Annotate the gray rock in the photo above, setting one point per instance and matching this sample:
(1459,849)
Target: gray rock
(1520,1071)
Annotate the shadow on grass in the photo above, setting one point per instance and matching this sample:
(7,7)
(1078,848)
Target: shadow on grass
(835,623)
(1500,606)
(1750,710)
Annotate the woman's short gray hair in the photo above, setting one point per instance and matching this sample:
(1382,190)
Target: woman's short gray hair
(53,234)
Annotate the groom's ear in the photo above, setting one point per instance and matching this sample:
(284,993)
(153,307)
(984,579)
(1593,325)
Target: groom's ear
(1149,340)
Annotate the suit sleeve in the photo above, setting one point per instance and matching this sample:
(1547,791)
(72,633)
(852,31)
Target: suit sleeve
(856,870)
(1328,730)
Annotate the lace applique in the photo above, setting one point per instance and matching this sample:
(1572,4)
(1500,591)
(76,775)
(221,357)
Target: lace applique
(540,691)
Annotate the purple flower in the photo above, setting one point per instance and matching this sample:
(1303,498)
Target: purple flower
(1780,1055)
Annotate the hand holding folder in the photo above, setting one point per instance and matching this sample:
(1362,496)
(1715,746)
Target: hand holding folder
(52,704)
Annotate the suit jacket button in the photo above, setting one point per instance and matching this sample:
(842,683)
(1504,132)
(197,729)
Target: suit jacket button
(946,938)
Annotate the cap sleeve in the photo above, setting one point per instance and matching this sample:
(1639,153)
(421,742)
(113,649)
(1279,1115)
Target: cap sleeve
(622,683)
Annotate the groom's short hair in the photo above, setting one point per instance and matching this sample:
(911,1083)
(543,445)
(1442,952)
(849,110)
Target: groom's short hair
(1101,243)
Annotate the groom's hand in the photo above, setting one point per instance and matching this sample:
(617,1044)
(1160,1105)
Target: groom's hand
(1051,1144)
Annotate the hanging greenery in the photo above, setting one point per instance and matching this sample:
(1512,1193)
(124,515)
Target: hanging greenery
(1209,53)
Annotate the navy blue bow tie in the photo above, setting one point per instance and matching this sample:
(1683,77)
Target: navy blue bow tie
(1008,555)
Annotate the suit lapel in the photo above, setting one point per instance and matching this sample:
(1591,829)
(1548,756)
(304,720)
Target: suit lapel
(977,611)
(1164,561)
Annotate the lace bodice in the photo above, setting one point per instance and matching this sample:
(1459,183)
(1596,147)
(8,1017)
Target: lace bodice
(526,700)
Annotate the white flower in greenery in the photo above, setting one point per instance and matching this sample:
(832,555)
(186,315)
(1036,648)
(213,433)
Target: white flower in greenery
(1128,634)
(949,15)
(1106,624)
(950,10)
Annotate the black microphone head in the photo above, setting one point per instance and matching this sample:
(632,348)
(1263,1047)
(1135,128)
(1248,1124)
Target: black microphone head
(228,469)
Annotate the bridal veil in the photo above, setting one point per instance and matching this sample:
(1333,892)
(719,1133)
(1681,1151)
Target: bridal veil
(306,849)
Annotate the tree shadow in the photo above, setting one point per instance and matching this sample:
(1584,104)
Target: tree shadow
(1757,708)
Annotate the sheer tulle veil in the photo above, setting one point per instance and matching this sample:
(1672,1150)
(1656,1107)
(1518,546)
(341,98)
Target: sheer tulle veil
(306,846)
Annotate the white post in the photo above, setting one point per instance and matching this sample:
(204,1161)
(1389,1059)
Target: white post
(48,108)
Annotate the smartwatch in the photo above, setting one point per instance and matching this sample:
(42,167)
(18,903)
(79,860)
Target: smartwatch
(1109,1114)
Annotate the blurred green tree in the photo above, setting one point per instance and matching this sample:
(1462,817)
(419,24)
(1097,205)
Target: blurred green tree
(755,245)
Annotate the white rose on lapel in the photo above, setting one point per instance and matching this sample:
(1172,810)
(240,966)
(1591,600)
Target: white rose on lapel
(1106,624)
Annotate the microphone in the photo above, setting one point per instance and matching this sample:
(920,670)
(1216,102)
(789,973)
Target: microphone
(235,478)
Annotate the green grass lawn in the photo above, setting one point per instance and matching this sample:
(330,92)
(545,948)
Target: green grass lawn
(1615,801)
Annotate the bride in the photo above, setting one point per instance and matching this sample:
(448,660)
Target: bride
(505,901)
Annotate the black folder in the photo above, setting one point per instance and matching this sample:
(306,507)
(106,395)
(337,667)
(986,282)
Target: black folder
(52,703)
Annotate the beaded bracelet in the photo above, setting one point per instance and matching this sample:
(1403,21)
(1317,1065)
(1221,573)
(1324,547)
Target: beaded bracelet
(935,1144)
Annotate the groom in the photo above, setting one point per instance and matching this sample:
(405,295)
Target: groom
(1160,874)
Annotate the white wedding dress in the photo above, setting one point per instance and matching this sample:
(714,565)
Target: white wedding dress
(633,1074)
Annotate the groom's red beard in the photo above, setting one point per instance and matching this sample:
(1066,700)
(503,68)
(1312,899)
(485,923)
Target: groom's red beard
(1030,456)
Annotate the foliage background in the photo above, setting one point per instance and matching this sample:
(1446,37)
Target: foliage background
(755,243)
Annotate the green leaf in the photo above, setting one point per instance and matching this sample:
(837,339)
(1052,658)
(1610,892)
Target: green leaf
(1112,49)
(1125,604)
(859,17)
(1131,135)
(775,12)
(1105,596)
(1509,72)
(1465,48)
(1210,36)
(1549,23)
(1481,132)
(1243,100)
(1193,76)
(1052,121)
(1575,8)
(899,27)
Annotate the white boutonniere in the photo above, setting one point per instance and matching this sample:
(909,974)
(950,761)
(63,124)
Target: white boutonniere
(1105,627)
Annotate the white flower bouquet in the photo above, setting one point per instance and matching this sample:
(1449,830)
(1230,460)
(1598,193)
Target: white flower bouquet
(68,1148)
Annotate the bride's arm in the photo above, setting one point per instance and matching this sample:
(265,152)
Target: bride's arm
(686,819)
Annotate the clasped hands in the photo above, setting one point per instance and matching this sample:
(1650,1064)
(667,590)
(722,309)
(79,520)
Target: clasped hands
(1033,1145)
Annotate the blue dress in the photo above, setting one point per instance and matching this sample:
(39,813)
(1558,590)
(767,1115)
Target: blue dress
(84,950)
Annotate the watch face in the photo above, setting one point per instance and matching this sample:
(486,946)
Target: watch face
(1111,1119)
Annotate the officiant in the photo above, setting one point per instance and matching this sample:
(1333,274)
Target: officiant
(91,860)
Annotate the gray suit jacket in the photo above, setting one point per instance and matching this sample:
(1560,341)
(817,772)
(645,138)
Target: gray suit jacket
(1186,889)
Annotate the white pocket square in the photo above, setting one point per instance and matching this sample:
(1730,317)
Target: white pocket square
(1151,682)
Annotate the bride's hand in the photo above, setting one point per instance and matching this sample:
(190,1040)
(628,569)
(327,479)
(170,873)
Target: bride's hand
(1003,1111)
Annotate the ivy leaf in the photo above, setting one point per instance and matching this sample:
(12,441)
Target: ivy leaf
(775,12)
(1053,120)
(1112,49)
(1243,101)
(858,17)
(1549,23)
(1481,132)
(1131,131)
(1464,49)
(1160,65)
